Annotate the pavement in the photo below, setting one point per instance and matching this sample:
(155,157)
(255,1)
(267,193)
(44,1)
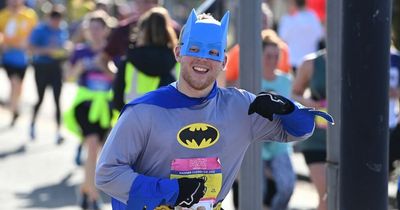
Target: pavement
(39,174)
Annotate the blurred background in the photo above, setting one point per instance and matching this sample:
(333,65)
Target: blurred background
(42,163)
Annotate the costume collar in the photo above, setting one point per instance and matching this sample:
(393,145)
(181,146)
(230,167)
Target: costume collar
(169,97)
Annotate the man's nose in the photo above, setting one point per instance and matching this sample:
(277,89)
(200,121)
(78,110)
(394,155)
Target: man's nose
(202,58)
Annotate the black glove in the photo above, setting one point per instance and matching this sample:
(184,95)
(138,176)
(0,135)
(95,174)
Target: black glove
(267,104)
(191,190)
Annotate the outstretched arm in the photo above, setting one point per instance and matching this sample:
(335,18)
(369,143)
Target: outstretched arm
(297,120)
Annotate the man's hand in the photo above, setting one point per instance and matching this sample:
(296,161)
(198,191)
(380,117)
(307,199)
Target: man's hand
(191,190)
(267,104)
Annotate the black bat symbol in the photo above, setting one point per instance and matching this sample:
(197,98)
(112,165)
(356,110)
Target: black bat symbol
(198,135)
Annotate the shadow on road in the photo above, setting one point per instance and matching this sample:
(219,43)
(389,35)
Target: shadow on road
(19,150)
(5,128)
(55,196)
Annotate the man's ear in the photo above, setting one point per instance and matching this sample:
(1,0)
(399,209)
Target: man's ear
(224,62)
(177,52)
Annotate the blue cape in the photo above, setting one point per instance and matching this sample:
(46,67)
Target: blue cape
(170,98)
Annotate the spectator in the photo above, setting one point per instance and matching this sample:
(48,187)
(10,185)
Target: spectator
(276,155)
(301,30)
(280,175)
(311,74)
(232,67)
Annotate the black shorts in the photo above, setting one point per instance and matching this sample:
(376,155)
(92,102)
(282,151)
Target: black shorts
(314,156)
(17,71)
(88,128)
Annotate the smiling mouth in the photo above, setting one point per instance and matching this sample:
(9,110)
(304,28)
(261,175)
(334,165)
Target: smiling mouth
(200,70)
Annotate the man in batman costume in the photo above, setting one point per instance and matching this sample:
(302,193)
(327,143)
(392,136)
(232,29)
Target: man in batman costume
(154,130)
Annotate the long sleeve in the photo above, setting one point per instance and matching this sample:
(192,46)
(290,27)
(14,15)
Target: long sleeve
(300,123)
(297,122)
(114,171)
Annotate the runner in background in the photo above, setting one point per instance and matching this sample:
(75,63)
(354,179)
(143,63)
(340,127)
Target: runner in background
(49,44)
(16,24)
(150,62)
(90,114)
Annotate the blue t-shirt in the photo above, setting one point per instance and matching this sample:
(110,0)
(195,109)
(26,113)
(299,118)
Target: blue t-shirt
(44,36)
(14,57)
(92,76)
(282,85)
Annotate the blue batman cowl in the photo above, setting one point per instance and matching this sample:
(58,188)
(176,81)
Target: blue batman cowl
(206,36)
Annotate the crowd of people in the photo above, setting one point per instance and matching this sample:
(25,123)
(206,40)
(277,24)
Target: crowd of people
(86,47)
(116,60)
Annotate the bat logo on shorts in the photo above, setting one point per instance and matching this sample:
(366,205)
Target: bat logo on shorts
(198,136)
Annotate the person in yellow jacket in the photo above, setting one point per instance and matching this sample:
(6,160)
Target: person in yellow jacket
(90,113)
(150,61)
(16,24)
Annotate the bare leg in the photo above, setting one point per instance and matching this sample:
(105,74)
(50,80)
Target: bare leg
(93,147)
(318,177)
(16,89)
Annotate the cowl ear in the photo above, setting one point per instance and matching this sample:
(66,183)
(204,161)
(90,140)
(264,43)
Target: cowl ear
(193,16)
(189,22)
(224,26)
(225,19)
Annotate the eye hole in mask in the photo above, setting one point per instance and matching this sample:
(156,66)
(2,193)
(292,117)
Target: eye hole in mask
(194,49)
(213,52)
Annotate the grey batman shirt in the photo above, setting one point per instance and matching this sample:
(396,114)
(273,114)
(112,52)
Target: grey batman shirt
(146,139)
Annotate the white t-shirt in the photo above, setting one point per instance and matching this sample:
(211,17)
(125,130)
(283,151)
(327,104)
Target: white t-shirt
(302,32)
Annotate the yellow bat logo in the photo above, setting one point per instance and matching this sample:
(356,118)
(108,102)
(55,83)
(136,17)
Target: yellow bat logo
(198,136)
(163,208)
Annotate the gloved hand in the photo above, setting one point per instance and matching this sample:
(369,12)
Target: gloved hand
(191,190)
(267,104)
